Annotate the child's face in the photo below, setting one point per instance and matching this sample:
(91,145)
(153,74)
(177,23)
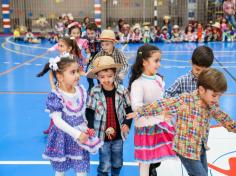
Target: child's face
(197,70)
(107,46)
(75,33)
(209,97)
(70,76)
(63,47)
(152,64)
(106,78)
(164,31)
(91,34)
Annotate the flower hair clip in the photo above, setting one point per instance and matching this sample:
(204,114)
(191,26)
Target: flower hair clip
(140,53)
(53,63)
(74,24)
(65,54)
(72,38)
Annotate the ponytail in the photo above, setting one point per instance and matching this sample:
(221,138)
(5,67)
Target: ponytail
(45,70)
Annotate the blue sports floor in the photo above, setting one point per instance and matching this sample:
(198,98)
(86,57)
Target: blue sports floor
(22,101)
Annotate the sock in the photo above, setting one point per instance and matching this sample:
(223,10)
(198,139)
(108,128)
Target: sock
(59,173)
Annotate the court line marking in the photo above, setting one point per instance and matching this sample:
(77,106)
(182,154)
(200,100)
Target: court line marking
(22,64)
(123,48)
(43,93)
(17,44)
(17,52)
(48,163)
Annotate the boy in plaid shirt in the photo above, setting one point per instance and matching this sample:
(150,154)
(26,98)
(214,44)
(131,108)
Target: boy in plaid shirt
(106,111)
(193,112)
(108,40)
(202,59)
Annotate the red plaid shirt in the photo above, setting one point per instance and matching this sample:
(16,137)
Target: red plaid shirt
(111,116)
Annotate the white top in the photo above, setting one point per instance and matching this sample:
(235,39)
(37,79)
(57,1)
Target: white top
(145,90)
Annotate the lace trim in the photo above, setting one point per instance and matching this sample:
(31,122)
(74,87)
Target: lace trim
(61,159)
(82,96)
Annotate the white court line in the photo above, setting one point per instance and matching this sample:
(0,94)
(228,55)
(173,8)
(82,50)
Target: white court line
(188,51)
(48,163)
(17,52)
(29,46)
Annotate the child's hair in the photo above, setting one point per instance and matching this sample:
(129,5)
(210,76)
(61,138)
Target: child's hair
(74,27)
(92,27)
(70,42)
(113,69)
(143,53)
(62,64)
(203,56)
(212,79)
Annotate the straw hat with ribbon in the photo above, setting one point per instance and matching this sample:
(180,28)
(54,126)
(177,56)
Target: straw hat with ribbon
(102,63)
(166,17)
(216,25)
(108,35)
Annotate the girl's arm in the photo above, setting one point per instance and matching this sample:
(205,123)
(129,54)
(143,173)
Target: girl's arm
(61,124)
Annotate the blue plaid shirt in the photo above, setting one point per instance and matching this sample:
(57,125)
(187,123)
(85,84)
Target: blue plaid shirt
(185,83)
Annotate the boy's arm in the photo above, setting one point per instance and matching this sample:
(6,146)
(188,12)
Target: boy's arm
(90,117)
(224,119)
(128,108)
(128,122)
(174,89)
(170,105)
(90,110)
(125,66)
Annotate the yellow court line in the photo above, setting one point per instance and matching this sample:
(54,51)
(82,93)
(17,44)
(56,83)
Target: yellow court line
(22,64)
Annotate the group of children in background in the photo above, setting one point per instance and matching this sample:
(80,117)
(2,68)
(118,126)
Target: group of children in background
(99,118)
(223,29)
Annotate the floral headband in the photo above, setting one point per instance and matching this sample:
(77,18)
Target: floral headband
(53,61)
(74,24)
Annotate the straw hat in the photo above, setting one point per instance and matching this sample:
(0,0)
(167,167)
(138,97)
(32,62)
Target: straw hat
(166,17)
(146,23)
(136,26)
(108,35)
(102,63)
(146,28)
(175,27)
(164,28)
(216,25)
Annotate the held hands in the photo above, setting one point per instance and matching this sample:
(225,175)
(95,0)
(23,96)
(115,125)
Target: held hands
(133,115)
(125,128)
(83,137)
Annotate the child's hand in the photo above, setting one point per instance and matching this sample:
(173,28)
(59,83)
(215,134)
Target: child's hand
(167,116)
(110,133)
(82,73)
(83,137)
(133,115)
(125,128)
(91,132)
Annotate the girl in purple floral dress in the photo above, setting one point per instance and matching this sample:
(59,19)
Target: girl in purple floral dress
(70,140)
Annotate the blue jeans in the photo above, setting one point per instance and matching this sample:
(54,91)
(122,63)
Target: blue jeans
(231,20)
(110,158)
(196,167)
